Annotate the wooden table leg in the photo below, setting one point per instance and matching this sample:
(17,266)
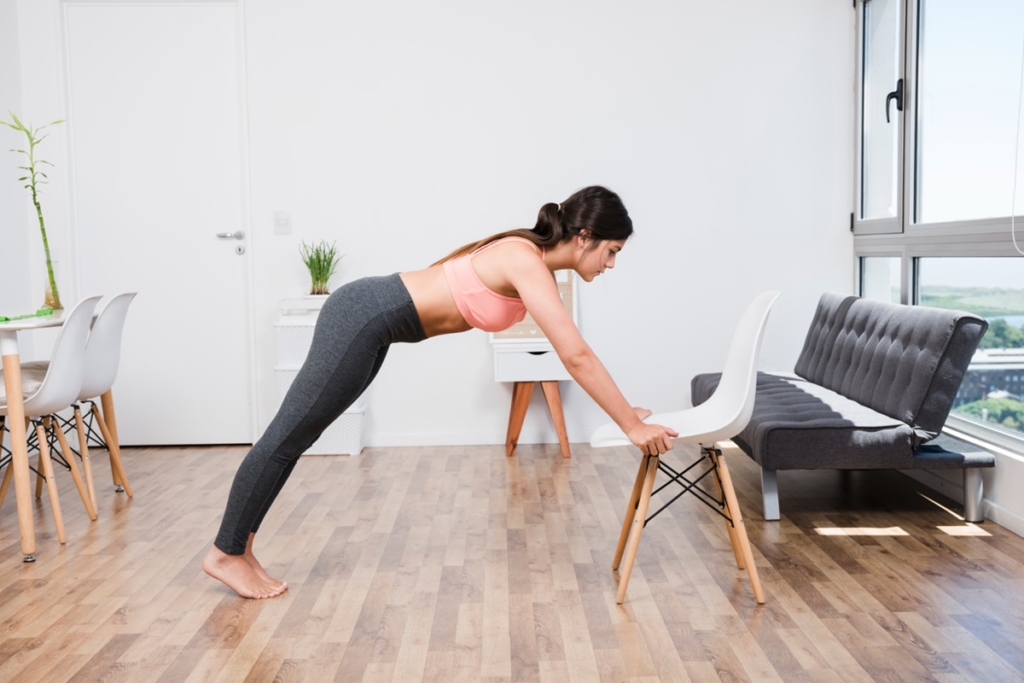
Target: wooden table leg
(520,402)
(554,399)
(19,447)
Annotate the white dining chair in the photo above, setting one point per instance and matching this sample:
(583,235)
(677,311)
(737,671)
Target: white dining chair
(721,417)
(102,359)
(54,391)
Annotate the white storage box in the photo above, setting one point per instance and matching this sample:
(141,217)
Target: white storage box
(344,436)
(293,333)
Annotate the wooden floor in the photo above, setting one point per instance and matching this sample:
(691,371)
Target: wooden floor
(458,564)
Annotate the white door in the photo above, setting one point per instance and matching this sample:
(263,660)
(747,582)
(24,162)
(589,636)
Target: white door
(155,117)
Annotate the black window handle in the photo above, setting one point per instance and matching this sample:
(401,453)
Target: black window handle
(897,95)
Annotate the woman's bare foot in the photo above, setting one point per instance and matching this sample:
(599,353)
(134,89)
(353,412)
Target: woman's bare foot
(237,574)
(258,568)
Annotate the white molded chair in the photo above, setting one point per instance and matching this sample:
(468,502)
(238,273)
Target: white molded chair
(102,358)
(56,390)
(721,417)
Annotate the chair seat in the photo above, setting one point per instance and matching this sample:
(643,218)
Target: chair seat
(32,375)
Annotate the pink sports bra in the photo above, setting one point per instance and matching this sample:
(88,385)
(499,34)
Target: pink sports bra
(482,308)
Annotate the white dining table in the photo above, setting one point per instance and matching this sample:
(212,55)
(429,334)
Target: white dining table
(16,420)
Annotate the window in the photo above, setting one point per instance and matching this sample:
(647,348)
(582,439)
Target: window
(992,393)
(880,278)
(936,183)
(881,122)
(968,86)
(880,140)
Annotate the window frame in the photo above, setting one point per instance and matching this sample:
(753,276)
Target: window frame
(914,240)
(880,226)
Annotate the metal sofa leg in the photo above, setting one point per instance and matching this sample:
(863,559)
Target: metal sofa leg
(770,494)
(973,489)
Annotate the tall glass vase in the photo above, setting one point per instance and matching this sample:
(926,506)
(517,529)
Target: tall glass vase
(51,291)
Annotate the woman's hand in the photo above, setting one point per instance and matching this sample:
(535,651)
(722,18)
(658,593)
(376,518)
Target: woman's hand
(652,439)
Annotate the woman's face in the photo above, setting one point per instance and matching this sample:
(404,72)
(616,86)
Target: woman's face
(596,259)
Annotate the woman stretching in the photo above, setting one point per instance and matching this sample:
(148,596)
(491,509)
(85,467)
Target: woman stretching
(489,285)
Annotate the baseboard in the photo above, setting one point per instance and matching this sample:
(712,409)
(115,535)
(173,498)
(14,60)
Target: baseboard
(1004,517)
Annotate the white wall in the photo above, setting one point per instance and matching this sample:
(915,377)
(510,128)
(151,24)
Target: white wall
(404,129)
(14,268)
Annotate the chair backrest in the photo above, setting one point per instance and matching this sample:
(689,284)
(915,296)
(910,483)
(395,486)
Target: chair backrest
(733,400)
(103,351)
(63,378)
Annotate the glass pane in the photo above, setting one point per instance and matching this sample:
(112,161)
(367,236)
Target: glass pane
(969,67)
(880,278)
(993,288)
(879,138)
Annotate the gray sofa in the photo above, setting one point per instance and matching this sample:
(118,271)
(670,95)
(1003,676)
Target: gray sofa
(872,389)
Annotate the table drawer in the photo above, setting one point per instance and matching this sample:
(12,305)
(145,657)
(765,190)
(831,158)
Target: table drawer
(526,366)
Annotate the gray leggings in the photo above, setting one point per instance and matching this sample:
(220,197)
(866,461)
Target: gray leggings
(356,325)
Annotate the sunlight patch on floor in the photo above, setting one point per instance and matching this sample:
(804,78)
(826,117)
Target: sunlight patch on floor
(861,531)
(968,530)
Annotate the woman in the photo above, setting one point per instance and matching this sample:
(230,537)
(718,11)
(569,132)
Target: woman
(490,285)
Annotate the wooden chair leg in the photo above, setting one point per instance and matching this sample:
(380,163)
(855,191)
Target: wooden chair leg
(110,420)
(554,400)
(736,550)
(737,520)
(90,506)
(51,484)
(115,452)
(520,402)
(627,519)
(8,475)
(39,476)
(83,447)
(638,526)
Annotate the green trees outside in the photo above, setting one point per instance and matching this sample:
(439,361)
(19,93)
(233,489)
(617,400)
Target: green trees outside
(1006,412)
(1001,335)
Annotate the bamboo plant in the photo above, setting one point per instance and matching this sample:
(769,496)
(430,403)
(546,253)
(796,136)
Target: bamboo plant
(322,260)
(32,181)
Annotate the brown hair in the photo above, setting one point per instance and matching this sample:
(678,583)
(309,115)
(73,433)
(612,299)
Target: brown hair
(595,208)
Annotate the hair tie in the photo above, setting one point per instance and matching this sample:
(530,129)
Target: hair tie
(559,209)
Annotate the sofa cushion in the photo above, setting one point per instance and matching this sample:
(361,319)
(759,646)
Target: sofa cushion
(906,362)
(797,424)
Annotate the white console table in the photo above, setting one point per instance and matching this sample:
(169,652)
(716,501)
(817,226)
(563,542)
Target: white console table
(524,356)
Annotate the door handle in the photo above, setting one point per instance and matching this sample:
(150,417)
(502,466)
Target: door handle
(897,95)
(236,235)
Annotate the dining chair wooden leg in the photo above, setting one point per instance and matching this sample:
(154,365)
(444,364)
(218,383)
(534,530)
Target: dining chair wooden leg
(110,420)
(627,519)
(69,456)
(51,484)
(39,475)
(638,526)
(83,447)
(8,475)
(115,452)
(737,520)
(736,550)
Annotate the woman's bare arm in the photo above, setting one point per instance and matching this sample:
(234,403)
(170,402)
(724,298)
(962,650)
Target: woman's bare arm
(539,293)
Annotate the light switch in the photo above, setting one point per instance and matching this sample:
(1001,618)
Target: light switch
(282,222)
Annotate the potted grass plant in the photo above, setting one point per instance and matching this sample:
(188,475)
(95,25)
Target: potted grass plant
(321,260)
(33,180)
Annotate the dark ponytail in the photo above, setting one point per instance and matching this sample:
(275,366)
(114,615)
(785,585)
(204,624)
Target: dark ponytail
(595,208)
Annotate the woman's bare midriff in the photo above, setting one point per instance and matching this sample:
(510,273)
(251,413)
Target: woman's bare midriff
(433,300)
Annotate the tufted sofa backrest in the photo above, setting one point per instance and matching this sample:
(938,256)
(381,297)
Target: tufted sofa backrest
(904,361)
